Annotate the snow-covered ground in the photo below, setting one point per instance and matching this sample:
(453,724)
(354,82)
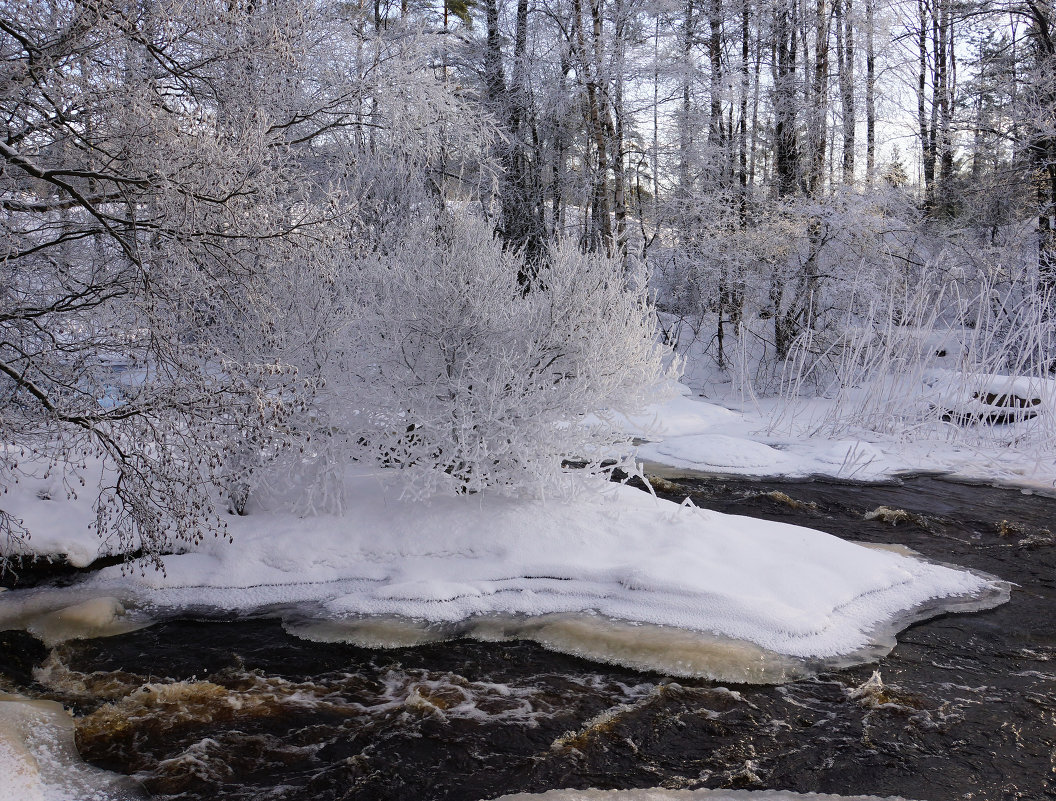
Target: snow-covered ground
(735,435)
(39,760)
(612,574)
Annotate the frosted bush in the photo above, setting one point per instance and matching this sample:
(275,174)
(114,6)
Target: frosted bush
(464,379)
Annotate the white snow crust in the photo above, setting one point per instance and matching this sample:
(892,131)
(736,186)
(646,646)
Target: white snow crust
(718,451)
(56,505)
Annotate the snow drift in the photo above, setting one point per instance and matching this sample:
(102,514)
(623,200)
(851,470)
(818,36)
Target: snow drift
(612,574)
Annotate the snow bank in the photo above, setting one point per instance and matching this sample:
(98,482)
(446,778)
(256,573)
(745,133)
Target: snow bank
(57,506)
(722,452)
(988,397)
(96,617)
(980,428)
(690,433)
(679,416)
(686,795)
(612,574)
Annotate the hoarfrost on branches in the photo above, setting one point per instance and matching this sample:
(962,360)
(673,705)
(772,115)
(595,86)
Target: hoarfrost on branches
(452,370)
(478,381)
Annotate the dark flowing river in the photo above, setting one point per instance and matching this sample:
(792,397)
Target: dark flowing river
(963,708)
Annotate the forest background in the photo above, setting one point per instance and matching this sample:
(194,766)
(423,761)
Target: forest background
(247,242)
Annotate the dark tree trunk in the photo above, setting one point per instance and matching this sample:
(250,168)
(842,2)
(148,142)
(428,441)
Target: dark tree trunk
(494,79)
(742,131)
(845,57)
(718,146)
(786,148)
(942,100)
(685,128)
(927,132)
(614,128)
(870,92)
(819,99)
(1042,145)
(523,225)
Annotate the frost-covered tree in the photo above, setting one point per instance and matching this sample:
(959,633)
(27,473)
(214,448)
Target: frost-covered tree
(162,165)
(233,235)
(476,383)
(137,203)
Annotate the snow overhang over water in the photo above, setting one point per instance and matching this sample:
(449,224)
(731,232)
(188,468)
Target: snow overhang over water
(612,574)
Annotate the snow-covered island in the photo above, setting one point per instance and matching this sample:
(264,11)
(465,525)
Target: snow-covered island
(610,572)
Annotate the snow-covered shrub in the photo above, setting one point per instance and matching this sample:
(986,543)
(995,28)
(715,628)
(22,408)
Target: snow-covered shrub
(453,372)
(172,309)
(121,276)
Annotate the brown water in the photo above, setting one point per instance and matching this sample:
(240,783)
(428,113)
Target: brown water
(964,707)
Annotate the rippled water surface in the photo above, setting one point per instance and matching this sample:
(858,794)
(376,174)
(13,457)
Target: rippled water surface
(963,708)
